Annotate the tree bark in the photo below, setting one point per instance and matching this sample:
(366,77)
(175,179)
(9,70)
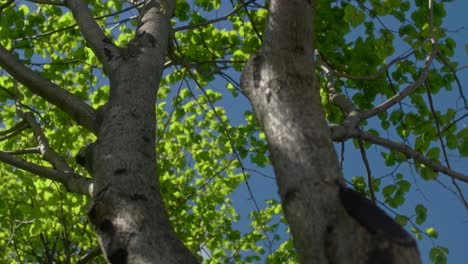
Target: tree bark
(127,208)
(329,222)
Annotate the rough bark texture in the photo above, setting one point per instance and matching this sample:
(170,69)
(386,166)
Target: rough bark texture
(127,208)
(329,223)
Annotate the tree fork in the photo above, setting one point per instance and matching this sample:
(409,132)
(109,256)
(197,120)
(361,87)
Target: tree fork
(127,210)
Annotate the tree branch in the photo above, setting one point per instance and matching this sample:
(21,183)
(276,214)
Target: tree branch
(368,171)
(35,150)
(15,130)
(352,120)
(409,89)
(454,122)
(92,32)
(409,152)
(57,161)
(81,112)
(73,182)
(47,2)
(405,92)
(441,141)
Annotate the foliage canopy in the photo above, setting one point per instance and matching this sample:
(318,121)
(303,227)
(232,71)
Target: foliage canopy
(207,155)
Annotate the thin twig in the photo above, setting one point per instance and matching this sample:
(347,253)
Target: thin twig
(454,122)
(254,27)
(13,131)
(405,92)
(462,68)
(409,152)
(47,2)
(212,21)
(35,150)
(172,110)
(457,80)
(441,141)
(368,170)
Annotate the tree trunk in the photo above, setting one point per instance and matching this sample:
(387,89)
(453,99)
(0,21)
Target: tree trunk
(329,222)
(127,209)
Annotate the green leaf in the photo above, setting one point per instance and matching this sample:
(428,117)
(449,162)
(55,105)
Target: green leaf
(376,184)
(433,153)
(431,232)
(23,9)
(359,184)
(353,15)
(404,185)
(427,173)
(463,146)
(388,190)
(402,220)
(421,213)
(35,229)
(452,141)
(416,232)
(438,255)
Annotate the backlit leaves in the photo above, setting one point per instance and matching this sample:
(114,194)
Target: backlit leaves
(202,154)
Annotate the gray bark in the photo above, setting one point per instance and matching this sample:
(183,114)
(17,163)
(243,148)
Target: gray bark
(329,223)
(127,209)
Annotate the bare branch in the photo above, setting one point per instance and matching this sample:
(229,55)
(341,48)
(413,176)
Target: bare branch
(368,170)
(455,75)
(409,152)
(81,112)
(407,91)
(344,131)
(47,2)
(72,181)
(454,122)
(462,68)
(13,131)
(91,31)
(57,161)
(35,150)
(254,27)
(335,98)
